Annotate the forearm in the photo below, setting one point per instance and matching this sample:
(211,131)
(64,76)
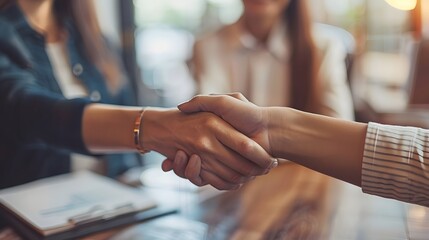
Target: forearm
(30,113)
(327,145)
(109,128)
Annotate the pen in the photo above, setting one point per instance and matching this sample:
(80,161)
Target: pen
(100,213)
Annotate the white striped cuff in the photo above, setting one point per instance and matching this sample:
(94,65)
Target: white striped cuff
(395,163)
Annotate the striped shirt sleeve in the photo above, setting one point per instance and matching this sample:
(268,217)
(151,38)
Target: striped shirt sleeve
(395,163)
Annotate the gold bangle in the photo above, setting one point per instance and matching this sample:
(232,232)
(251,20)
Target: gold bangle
(136,132)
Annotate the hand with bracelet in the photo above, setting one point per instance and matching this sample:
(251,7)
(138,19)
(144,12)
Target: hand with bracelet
(43,123)
(230,157)
(78,125)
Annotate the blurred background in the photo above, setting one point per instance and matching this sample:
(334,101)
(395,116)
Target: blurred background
(157,38)
(387,71)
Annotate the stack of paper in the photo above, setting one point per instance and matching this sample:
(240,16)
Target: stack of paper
(62,203)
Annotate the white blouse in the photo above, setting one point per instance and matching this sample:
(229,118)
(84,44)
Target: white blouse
(69,85)
(396,164)
(232,60)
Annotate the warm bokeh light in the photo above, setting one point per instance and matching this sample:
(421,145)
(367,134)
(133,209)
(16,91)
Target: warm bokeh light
(403,4)
(425,18)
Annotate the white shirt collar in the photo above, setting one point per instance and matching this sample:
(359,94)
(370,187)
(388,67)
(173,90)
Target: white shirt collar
(277,42)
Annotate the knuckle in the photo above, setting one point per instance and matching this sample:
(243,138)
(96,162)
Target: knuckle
(212,121)
(204,143)
(237,95)
(246,146)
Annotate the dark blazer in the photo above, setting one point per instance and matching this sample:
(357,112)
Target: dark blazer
(39,128)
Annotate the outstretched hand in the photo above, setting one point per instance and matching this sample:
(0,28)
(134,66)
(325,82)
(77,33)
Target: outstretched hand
(235,109)
(229,158)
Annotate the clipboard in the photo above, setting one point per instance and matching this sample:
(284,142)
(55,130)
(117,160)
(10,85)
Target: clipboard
(74,205)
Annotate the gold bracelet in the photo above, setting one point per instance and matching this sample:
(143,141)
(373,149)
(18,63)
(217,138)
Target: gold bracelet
(136,132)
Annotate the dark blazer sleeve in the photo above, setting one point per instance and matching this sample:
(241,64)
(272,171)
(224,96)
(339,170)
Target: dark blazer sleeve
(30,113)
(11,45)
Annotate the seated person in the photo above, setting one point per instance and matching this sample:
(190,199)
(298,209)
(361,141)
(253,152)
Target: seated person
(275,57)
(41,125)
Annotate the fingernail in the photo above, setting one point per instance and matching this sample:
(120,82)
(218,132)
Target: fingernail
(275,163)
(180,104)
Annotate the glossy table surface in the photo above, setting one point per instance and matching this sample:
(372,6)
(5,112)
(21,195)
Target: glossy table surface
(291,202)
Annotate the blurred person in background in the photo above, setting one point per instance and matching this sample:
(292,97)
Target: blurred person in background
(276,57)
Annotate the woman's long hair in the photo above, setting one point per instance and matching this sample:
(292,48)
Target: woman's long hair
(83,15)
(304,61)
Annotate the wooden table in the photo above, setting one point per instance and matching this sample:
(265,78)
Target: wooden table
(291,202)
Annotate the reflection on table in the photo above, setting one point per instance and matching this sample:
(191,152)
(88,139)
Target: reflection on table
(291,202)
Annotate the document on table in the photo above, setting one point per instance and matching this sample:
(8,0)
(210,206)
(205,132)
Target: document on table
(60,203)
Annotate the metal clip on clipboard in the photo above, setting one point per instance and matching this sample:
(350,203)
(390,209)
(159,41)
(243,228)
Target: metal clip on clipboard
(98,213)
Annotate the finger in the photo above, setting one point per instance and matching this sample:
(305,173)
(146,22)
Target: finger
(204,103)
(225,172)
(179,164)
(247,148)
(217,182)
(228,108)
(167,165)
(193,170)
(236,95)
(221,159)
(226,156)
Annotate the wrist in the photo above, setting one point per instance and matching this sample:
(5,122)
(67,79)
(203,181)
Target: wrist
(280,124)
(154,128)
(138,133)
(108,128)
(148,129)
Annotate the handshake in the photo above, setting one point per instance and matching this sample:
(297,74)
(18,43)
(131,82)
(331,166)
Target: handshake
(222,140)
(238,150)
(226,141)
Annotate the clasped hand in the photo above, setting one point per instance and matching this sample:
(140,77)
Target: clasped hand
(227,173)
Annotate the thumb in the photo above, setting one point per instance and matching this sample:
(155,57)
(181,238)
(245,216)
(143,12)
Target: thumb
(236,95)
(201,104)
(215,103)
